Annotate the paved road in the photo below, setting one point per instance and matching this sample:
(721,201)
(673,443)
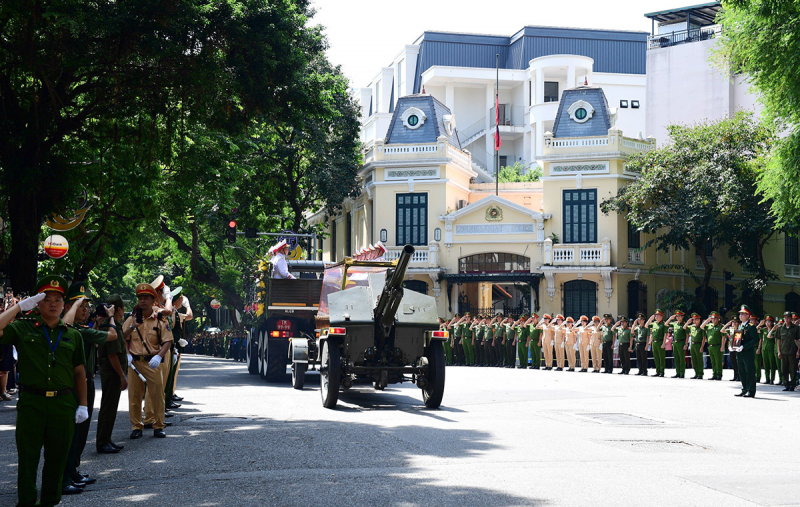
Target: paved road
(503,437)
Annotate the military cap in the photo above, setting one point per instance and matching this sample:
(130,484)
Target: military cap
(547,316)
(584,317)
(745,309)
(534,314)
(621,317)
(145,289)
(607,316)
(559,316)
(596,318)
(714,314)
(679,312)
(467,314)
(787,314)
(523,316)
(639,314)
(158,283)
(78,290)
(696,315)
(769,317)
(116,301)
(795,316)
(570,319)
(51,283)
(659,312)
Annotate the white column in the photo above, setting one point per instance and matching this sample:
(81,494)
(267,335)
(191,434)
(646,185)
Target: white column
(538,143)
(450,96)
(539,86)
(571,76)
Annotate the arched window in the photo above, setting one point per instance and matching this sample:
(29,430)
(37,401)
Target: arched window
(494,263)
(580,298)
(792,300)
(637,298)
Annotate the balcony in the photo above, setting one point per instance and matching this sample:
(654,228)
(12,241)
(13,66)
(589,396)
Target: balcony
(510,116)
(792,270)
(440,150)
(635,256)
(577,254)
(666,40)
(423,257)
(614,144)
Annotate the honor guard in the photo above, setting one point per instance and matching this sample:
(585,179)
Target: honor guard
(713,330)
(149,339)
(641,334)
(745,340)
(658,329)
(51,369)
(679,346)
(698,339)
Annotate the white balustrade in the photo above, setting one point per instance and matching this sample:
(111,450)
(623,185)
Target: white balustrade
(420,255)
(594,254)
(587,141)
(391,149)
(635,256)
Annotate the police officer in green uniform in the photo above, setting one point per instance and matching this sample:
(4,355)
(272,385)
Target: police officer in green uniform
(521,339)
(509,354)
(457,347)
(113,362)
(788,343)
(713,330)
(678,343)
(51,367)
(448,351)
(466,341)
(698,337)
(641,334)
(534,341)
(657,331)
(486,343)
(498,331)
(766,349)
(477,340)
(745,339)
(624,344)
(607,333)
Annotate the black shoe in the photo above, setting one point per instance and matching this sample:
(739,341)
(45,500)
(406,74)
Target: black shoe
(168,414)
(108,449)
(159,433)
(584,370)
(625,372)
(71,489)
(596,371)
(559,369)
(175,397)
(749,395)
(136,434)
(82,480)
(120,447)
(621,373)
(740,394)
(654,375)
(786,389)
(571,369)
(173,406)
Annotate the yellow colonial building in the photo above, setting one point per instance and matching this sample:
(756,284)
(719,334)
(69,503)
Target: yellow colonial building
(541,246)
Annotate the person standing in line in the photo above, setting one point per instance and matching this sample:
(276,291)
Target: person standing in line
(466,340)
(488,336)
(679,346)
(698,340)
(607,332)
(113,362)
(534,341)
(624,344)
(584,343)
(788,350)
(548,337)
(458,345)
(641,334)
(571,339)
(559,343)
(477,338)
(597,345)
(767,350)
(713,332)
(745,339)
(509,351)
(657,331)
(447,350)
(51,368)
(521,339)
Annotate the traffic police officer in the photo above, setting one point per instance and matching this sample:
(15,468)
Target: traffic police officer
(50,368)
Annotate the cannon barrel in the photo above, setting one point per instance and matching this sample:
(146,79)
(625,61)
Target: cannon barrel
(392,293)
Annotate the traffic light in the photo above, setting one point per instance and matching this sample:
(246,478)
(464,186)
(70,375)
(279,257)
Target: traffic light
(250,232)
(230,232)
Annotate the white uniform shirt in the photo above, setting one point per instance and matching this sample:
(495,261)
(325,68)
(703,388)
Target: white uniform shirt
(279,267)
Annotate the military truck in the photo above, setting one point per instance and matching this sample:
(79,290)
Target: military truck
(369,328)
(291,310)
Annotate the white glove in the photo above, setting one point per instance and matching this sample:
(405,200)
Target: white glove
(30,303)
(601,347)
(174,359)
(183,342)
(155,361)
(588,348)
(130,360)
(81,414)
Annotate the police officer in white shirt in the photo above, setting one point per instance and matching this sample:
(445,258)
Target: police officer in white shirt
(279,267)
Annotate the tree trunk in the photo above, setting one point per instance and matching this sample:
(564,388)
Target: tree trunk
(24,224)
(707,267)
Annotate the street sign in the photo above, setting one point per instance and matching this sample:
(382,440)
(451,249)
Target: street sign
(215,304)
(56,246)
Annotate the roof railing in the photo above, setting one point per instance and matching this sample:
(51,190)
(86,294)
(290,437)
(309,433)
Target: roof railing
(666,40)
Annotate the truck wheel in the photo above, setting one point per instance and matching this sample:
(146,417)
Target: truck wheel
(434,391)
(274,363)
(329,374)
(252,357)
(299,375)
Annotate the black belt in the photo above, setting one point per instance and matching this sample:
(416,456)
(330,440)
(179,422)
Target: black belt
(142,358)
(42,392)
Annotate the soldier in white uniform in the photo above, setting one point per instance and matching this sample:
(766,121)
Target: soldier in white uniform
(279,267)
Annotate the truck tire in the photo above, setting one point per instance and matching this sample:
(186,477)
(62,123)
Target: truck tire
(252,354)
(434,391)
(329,374)
(274,363)
(299,375)
(262,364)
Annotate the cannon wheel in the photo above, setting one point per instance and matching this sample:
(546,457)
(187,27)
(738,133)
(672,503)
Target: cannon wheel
(433,393)
(329,374)
(299,375)
(262,363)
(252,359)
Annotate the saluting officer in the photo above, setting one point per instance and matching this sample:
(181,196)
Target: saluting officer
(50,368)
(607,332)
(788,343)
(534,341)
(767,351)
(149,339)
(713,330)
(657,331)
(584,342)
(624,344)
(113,362)
(698,339)
(746,338)
(596,342)
(548,334)
(641,333)
(679,346)
(521,339)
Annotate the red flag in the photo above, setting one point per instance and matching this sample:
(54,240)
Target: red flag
(497,141)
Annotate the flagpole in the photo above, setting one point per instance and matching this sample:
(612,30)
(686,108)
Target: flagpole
(497,127)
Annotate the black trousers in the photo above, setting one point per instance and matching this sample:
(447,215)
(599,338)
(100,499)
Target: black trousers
(625,357)
(641,357)
(80,435)
(479,359)
(511,353)
(735,365)
(109,402)
(608,357)
(459,352)
(789,369)
(488,353)
(498,352)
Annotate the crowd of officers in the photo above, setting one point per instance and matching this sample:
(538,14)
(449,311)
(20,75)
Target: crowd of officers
(57,338)
(230,344)
(564,344)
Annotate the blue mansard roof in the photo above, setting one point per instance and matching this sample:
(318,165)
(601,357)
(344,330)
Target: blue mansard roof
(432,127)
(597,125)
(613,51)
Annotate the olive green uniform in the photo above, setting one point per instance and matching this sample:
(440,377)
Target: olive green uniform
(477,332)
(536,351)
(788,349)
(746,358)
(46,407)
(624,340)
(522,344)
(642,332)
(657,332)
(448,350)
(769,357)
(714,337)
(697,334)
(111,384)
(762,336)
(678,342)
(488,350)
(607,335)
(458,347)
(466,342)
(498,332)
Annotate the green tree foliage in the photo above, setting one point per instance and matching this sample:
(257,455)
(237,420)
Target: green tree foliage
(700,188)
(762,41)
(519,172)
